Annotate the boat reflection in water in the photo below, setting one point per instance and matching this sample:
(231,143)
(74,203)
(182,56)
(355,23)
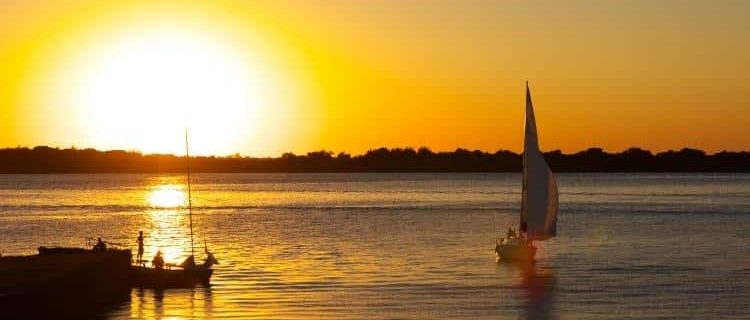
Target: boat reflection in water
(539,291)
(532,288)
(189,303)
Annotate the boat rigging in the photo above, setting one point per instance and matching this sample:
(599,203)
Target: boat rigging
(539,198)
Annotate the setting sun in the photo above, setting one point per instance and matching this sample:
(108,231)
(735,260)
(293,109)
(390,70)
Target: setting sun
(135,75)
(144,87)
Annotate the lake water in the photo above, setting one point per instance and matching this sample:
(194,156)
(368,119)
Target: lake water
(408,246)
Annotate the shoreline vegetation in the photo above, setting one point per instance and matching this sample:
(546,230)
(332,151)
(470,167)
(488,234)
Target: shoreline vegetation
(44,159)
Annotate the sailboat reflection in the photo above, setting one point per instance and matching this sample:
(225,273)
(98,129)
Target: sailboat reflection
(539,291)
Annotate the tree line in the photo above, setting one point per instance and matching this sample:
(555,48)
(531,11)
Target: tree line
(44,159)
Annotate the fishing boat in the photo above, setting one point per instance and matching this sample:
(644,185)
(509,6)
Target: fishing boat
(186,274)
(539,199)
(173,277)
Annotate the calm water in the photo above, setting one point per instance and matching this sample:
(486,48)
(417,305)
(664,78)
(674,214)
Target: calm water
(409,246)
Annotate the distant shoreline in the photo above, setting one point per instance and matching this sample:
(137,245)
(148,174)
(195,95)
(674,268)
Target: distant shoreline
(46,160)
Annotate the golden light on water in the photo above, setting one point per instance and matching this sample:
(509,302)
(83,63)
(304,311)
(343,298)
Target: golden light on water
(168,229)
(167,196)
(169,234)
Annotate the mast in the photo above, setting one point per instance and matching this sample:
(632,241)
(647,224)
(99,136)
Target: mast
(524,188)
(190,203)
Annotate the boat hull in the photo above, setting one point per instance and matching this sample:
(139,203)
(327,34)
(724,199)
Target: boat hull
(63,282)
(144,277)
(515,252)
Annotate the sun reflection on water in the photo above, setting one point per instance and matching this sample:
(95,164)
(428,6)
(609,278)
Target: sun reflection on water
(167,232)
(167,228)
(167,196)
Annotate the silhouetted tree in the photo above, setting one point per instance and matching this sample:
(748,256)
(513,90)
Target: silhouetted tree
(43,159)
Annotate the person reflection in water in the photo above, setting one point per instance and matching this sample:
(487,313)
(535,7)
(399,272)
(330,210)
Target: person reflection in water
(158,261)
(139,257)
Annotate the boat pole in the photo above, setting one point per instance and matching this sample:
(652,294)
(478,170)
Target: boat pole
(190,203)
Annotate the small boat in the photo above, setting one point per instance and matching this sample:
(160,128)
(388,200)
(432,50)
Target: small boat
(185,275)
(177,277)
(515,249)
(539,199)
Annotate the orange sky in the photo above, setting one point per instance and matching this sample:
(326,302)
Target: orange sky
(265,77)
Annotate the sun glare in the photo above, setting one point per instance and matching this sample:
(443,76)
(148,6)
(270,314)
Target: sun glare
(167,196)
(169,233)
(142,89)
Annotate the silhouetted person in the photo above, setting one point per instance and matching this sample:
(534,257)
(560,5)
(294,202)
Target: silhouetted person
(189,262)
(139,257)
(158,261)
(100,246)
(210,259)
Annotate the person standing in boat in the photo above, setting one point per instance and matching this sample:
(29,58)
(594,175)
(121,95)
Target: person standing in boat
(100,246)
(210,259)
(188,263)
(139,257)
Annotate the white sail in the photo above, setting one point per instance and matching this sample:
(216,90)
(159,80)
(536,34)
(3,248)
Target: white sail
(539,199)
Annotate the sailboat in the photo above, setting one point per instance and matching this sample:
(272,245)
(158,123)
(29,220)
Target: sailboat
(539,199)
(186,274)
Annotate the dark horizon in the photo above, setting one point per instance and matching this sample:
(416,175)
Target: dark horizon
(355,154)
(43,159)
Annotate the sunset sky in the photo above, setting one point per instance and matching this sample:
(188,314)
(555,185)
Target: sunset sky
(265,77)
